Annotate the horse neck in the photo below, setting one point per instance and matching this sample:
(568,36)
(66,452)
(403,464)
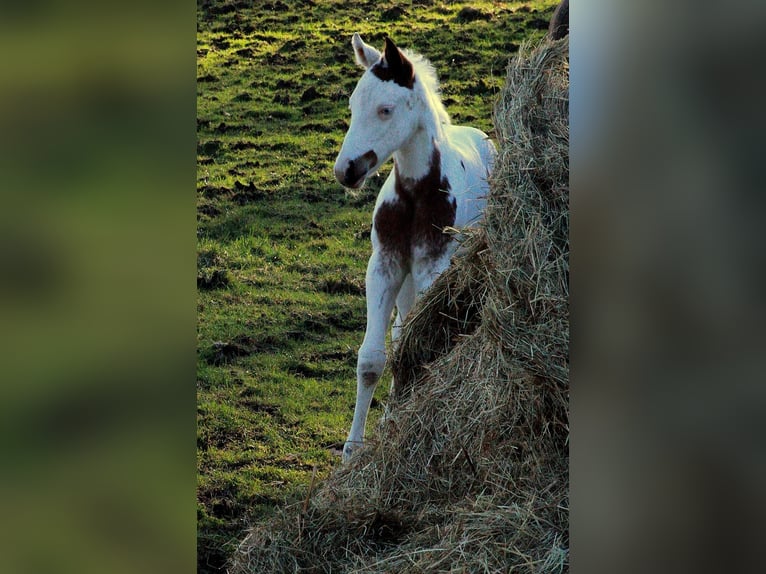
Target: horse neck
(413,159)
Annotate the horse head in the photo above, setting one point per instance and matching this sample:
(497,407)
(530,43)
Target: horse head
(384,107)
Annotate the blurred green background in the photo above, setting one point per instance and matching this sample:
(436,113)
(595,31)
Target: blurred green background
(97,296)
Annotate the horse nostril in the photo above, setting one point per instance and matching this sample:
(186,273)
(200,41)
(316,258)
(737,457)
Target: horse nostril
(351,172)
(350,176)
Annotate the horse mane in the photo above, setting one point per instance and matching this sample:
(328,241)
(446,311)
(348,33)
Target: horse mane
(426,73)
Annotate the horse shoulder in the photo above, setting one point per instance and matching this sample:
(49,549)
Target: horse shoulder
(464,161)
(467,165)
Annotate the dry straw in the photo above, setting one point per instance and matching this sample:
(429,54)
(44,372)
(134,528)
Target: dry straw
(469,472)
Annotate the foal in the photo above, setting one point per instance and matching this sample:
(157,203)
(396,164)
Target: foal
(439,180)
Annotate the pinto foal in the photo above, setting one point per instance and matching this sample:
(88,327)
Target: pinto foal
(439,180)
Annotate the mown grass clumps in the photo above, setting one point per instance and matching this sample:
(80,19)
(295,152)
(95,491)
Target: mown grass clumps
(211,271)
(469,472)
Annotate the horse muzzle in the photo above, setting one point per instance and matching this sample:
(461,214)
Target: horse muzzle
(352,173)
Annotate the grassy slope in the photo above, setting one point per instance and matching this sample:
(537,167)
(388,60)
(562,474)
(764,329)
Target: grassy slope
(281,247)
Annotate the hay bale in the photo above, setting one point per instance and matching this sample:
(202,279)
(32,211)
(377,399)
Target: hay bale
(470,470)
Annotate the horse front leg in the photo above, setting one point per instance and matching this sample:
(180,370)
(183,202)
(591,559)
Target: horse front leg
(383,281)
(404,301)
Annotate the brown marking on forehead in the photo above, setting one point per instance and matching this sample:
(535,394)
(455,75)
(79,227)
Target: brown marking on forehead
(418,216)
(385,74)
(394,66)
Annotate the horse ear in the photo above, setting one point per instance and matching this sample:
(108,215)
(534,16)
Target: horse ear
(365,55)
(401,68)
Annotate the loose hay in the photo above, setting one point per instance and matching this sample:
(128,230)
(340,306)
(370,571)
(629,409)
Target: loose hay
(469,473)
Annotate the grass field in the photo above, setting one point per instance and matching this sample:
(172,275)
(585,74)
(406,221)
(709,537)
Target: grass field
(282,247)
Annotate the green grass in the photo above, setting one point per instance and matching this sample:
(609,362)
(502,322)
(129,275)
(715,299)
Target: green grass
(282,248)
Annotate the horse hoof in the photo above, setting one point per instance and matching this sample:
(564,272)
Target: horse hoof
(348,449)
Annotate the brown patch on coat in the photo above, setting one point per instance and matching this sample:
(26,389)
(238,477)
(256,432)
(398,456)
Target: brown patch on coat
(370,378)
(418,216)
(393,223)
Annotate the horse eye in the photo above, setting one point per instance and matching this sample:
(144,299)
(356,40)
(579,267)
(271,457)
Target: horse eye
(385,111)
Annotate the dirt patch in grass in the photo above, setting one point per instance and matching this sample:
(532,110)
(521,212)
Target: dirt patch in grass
(247,193)
(225,352)
(210,279)
(470,14)
(342,286)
